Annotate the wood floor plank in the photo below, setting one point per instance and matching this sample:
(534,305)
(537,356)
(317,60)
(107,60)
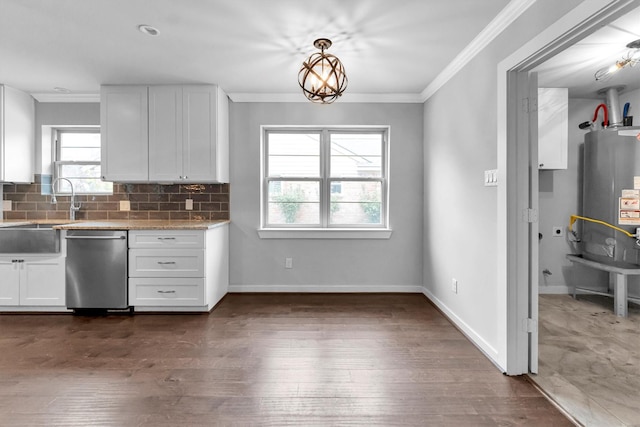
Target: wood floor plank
(259,359)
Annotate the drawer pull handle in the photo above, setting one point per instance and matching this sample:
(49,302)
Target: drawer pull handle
(166,238)
(166,262)
(166,292)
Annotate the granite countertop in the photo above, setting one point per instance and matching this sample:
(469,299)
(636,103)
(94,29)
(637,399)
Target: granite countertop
(122,225)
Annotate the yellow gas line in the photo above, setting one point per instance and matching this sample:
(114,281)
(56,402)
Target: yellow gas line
(574,218)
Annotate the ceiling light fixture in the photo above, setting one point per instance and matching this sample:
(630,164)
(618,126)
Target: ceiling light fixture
(148,30)
(322,77)
(61,89)
(630,59)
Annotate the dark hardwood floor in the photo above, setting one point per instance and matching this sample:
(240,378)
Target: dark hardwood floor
(259,359)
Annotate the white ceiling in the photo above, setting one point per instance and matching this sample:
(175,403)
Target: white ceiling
(255,47)
(575,67)
(246,46)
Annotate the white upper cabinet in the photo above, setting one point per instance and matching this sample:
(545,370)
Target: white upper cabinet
(17,135)
(188,136)
(124,133)
(553,128)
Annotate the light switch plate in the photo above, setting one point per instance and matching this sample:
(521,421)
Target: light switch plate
(491,178)
(188,204)
(125,205)
(6,205)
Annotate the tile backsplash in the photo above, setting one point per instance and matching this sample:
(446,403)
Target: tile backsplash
(147,201)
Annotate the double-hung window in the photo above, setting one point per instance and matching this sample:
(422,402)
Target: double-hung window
(325,178)
(77,158)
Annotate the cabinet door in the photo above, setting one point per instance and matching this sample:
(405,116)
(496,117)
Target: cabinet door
(17,135)
(10,283)
(553,127)
(199,133)
(165,133)
(124,129)
(42,282)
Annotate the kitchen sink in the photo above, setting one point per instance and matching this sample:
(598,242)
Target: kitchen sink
(30,238)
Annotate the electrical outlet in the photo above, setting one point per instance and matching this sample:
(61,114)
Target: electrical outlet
(6,205)
(188,204)
(454,286)
(557,231)
(125,205)
(288,263)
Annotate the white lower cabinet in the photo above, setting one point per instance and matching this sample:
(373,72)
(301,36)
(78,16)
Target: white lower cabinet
(32,281)
(178,270)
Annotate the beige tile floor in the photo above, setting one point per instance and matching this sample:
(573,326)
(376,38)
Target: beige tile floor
(590,359)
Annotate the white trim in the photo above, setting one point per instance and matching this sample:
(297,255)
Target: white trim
(401,98)
(387,289)
(66,97)
(510,13)
(8,309)
(555,290)
(325,233)
(473,336)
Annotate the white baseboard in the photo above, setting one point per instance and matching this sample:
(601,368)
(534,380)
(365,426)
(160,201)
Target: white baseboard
(417,289)
(468,331)
(555,290)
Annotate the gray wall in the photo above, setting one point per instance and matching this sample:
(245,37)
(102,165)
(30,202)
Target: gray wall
(60,114)
(460,142)
(327,264)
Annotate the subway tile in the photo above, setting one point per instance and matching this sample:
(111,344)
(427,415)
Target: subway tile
(159,215)
(139,215)
(168,207)
(36,215)
(219,198)
(15,215)
(118,215)
(97,215)
(148,201)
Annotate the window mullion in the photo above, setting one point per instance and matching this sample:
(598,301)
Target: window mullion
(325,193)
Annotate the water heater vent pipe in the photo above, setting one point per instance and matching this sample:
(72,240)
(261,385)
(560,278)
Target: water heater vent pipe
(613,105)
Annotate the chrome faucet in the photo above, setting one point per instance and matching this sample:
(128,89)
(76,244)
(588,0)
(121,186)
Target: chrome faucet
(72,208)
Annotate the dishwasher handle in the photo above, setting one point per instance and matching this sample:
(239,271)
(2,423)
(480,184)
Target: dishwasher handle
(96,237)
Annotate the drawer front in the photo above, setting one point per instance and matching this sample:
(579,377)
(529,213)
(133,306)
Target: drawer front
(162,239)
(166,263)
(166,292)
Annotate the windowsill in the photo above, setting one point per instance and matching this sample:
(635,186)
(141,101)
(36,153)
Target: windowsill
(324,233)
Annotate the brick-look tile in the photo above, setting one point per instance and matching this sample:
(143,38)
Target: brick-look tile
(148,201)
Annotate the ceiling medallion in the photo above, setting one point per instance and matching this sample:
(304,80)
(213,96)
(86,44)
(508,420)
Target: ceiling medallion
(322,77)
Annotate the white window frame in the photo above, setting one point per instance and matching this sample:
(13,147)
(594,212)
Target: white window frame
(324,229)
(58,164)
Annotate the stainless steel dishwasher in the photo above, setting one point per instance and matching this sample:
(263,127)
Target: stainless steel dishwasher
(96,270)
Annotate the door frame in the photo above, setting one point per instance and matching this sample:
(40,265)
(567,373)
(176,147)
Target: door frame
(513,154)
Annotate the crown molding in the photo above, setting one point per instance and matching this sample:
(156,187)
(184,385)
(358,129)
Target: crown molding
(66,97)
(401,98)
(510,13)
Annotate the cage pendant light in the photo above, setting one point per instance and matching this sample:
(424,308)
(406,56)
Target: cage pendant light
(322,77)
